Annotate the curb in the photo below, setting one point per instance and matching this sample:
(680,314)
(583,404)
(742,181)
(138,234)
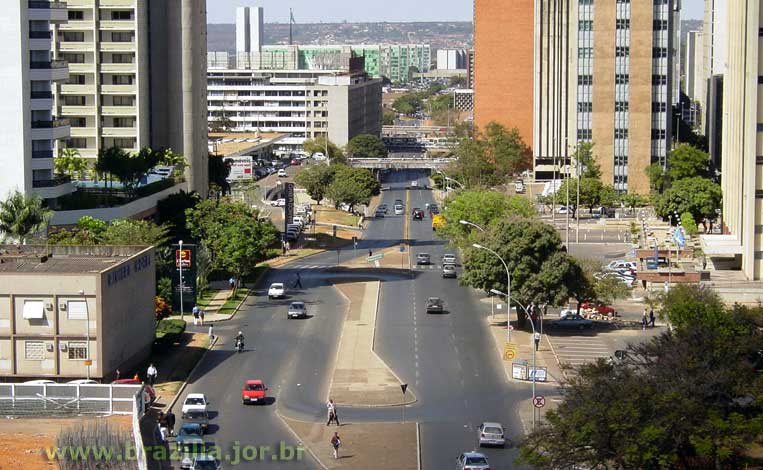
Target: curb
(553,351)
(305,446)
(190,374)
(418,445)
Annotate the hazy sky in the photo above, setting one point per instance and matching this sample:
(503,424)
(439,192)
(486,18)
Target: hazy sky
(313,11)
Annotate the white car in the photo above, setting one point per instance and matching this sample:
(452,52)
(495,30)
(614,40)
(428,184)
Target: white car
(492,434)
(39,382)
(281,173)
(194,401)
(449,258)
(278,202)
(618,265)
(398,210)
(561,210)
(276,291)
(414,184)
(319,156)
(83,382)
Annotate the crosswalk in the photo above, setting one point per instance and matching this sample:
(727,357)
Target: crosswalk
(578,350)
(309,266)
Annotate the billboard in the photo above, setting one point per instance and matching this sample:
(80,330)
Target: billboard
(185,266)
(240,168)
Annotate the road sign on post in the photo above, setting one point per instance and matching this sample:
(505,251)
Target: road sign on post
(539,401)
(509,351)
(376,257)
(403,387)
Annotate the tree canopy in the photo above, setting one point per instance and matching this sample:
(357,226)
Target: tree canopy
(92,231)
(698,196)
(316,180)
(687,399)
(22,216)
(366,146)
(70,162)
(352,186)
(686,161)
(319,144)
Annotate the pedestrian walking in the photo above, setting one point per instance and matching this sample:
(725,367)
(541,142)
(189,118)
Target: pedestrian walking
(332,414)
(232,282)
(298,282)
(201,316)
(651,317)
(370,253)
(335,444)
(151,374)
(211,333)
(288,247)
(118,374)
(536,338)
(195,311)
(644,320)
(283,248)
(169,417)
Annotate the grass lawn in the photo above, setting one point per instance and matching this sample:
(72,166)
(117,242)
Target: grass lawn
(205,298)
(230,305)
(329,215)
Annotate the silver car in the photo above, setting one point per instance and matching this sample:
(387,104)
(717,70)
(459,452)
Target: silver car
(297,310)
(492,434)
(449,258)
(448,270)
(472,461)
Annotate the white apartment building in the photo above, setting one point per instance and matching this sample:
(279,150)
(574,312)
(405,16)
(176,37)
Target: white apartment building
(451,59)
(29,125)
(306,104)
(137,78)
(250,29)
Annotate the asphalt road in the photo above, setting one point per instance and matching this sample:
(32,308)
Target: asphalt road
(449,360)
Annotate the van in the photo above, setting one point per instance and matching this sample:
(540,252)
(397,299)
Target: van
(298,220)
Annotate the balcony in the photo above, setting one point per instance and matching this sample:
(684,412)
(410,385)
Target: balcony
(107,67)
(118,46)
(121,25)
(50,130)
(76,46)
(117,3)
(118,89)
(47,11)
(41,100)
(119,132)
(58,186)
(118,110)
(71,89)
(54,70)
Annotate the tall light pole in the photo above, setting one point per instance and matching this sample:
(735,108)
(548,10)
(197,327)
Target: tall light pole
(179,259)
(508,286)
(471,224)
(567,179)
(532,323)
(577,202)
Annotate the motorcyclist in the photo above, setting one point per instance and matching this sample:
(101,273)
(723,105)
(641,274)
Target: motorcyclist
(240,340)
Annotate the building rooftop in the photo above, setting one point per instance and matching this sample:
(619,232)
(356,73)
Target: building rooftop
(64,259)
(233,144)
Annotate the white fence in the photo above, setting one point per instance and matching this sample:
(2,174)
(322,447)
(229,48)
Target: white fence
(53,400)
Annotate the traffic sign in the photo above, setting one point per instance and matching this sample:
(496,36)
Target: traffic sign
(539,401)
(403,387)
(402,248)
(509,351)
(373,258)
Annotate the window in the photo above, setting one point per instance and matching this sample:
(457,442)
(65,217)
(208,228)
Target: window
(760,79)
(124,100)
(76,143)
(77,309)
(121,80)
(73,58)
(121,58)
(585,52)
(77,350)
(76,79)
(659,52)
(622,79)
(585,107)
(124,122)
(659,107)
(585,79)
(34,350)
(73,36)
(585,25)
(74,100)
(124,143)
(33,310)
(76,15)
(121,36)
(621,133)
(78,122)
(622,23)
(659,79)
(585,134)
(660,25)
(121,15)
(622,51)
(658,134)
(621,106)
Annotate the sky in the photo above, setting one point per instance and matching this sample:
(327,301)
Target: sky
(332,11)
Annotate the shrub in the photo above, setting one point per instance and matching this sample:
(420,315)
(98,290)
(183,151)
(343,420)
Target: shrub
(169,331)
(161,308)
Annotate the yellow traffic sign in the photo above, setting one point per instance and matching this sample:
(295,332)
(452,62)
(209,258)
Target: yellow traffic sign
(509,351)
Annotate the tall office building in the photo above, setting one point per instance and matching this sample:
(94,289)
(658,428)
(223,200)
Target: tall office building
(714,66)
(742,135)
(689,62)
(29,127)
(504,65)
(605,73)
(138,78)
(250,29)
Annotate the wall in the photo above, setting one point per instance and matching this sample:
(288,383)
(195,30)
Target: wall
(503,64)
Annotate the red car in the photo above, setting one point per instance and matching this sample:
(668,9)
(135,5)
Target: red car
(600,309)
(253,391)
(295,162)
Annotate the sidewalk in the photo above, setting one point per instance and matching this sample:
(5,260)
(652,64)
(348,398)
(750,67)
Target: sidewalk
(360,377)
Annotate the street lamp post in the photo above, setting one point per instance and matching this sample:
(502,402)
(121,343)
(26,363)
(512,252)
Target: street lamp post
(532,323)
(180,267)
(508,286)
(471,224)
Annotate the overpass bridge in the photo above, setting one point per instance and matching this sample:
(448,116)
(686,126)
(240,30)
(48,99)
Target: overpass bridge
(411,163)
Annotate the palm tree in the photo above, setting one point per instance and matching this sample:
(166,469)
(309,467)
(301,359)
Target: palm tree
(22,216)
(70,162)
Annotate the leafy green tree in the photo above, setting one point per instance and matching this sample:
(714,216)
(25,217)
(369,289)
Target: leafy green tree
(634,200)
(388,117)
(698,196)
(171,212)
(366,146)
(22,216)
(587,160)
(219,170)
(458,81)
(686,399)
(658,177)
(561,196)
(594,193)
(689,224)
(610,289)
(491,156)
(506,149)
(352,186)
(316,180)
(70,162)
(472,167)
(686,161)
(482,208)
(440,103)
(134,232)
(408,103)
(221,122)
(319,144)
(164,289)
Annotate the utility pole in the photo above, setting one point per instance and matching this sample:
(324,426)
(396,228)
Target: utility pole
(577,203)
(291,22)
(567,179)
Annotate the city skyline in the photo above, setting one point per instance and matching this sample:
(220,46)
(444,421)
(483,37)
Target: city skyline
(223,11)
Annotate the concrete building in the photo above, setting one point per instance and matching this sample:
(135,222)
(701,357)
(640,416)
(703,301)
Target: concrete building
(137,78)
(504,65)
(75,311)
(689,63)
(451,59)
(303,103)
(742,136)
(714,66)
(250,29)
(604,75)
(30,128)
(470,69)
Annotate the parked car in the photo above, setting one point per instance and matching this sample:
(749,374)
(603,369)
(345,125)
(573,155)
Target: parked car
(295,162)
(598,308)
(423,258)
(449,270)
(253,391)
(200,417)
(297,310)
(379,214)
(298,219)
(398,202)
(319,156)
(281,173)
(472,461)
(619,264)
(83,382)
(278,202)
(571,321)
(188,431)
(190,449)
(414,184)
(435,305)
(194,401)
(276,291)
(561,210)
(39,382)
(491,434)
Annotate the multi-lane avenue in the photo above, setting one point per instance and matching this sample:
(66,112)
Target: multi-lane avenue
(449,361)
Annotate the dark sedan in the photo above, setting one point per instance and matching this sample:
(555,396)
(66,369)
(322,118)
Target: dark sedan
(571,321)
(435,305)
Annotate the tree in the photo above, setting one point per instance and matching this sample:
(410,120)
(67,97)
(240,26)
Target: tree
(171,213)
(134,232)
(633,200)
(352,186)
(316,180)
(658,177)
(482,208)
(408,103)
(388,117)
(506,149)
(686,161)
(221,122)
(587,161)
(698,196)
(687,399)
(689,224)
(319,144)
(219,170)
(594,193)
(366,146)
(22,216)
(70,162)
(561,194)
(609,289)
(458,81)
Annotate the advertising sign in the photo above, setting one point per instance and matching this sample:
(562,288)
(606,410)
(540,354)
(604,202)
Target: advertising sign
(240,168)
(185,265)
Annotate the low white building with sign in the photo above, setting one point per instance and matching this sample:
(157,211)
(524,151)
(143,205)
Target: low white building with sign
(75,311)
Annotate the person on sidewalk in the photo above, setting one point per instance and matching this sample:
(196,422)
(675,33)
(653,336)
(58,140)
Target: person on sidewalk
(298,282)
(232,283)
(651,317)
(332,414)
(644,320)
(536,338)
(170,418)
(151,374)
(335,444)
(211,333)
(201,316)
(195,311)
